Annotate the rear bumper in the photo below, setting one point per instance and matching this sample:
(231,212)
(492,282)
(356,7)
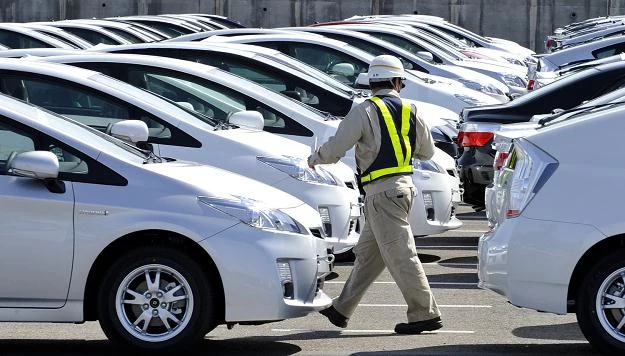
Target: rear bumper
(475,166)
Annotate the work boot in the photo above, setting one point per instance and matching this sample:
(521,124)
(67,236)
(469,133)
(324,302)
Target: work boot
(418,327)
(335,317)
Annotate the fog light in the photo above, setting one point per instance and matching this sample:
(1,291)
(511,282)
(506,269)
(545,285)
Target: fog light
(286,279)
(324,212)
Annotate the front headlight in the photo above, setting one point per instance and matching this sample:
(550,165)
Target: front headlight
(469,100)
(488,88)
(428,165)
(512,80)
(298,169)
(253,213)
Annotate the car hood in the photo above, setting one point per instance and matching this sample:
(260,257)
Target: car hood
(216,182)
(265,143)
(469,74)
(492,66)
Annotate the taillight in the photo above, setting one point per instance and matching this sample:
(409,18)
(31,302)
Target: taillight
(474,138)
(549,44)
(530,84)
(500,160)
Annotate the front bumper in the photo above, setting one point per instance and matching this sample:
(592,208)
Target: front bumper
(341,203)
(247,260)
(530,262)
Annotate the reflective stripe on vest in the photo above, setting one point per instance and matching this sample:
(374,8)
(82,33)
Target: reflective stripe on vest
(404,165)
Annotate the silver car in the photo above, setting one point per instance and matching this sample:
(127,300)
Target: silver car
(159,251)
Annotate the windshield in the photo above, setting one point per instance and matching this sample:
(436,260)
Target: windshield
(136,92)
(112,146)
(310,70)
(447,50)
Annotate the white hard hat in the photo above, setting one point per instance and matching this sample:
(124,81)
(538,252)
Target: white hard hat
(385,67)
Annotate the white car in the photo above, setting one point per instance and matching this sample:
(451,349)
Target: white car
(440,60)
(346,63)
(558,244)
(178,132)
(159,252)
(212,92)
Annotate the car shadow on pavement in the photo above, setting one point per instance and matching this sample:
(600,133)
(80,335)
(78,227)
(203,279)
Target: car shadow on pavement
(243,346)
(481,215)
(453,280)
(571,349)
(423,257)
(569,331)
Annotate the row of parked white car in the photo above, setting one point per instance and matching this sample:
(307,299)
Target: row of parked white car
(556,242)
(108,219)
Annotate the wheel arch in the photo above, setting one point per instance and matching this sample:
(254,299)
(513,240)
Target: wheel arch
(138,239)
(585,263)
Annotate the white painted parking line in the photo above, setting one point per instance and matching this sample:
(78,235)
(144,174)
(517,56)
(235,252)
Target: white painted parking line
(373,331)
(431,283)
(439,305)
(449,264)
(469,231)
(425,332)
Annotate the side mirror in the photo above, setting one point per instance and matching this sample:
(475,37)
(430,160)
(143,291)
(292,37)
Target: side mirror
(344,69)
(248,118)
(425,55)
(363,79)
(35,164)
(130,131)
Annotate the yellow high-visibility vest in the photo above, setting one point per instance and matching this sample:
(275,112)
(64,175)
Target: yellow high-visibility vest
(401,142)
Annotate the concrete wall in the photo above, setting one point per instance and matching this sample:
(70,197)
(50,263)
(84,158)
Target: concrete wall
(524,21)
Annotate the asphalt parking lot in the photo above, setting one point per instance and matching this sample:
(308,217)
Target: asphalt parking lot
(476,322)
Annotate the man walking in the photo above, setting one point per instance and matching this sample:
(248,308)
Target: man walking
(387,133)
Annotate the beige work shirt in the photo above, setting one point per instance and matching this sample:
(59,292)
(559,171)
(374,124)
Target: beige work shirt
(361,127)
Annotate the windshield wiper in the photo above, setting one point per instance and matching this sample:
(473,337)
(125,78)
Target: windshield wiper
(577,111)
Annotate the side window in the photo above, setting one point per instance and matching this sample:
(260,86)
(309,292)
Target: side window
(336,64)
(12,142)
(68,163)
(17,40)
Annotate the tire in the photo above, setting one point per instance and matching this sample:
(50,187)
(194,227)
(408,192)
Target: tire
(177,309)
(601,325)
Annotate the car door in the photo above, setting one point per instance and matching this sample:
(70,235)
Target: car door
(37,236)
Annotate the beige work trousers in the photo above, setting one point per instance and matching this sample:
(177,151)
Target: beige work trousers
(387,241)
